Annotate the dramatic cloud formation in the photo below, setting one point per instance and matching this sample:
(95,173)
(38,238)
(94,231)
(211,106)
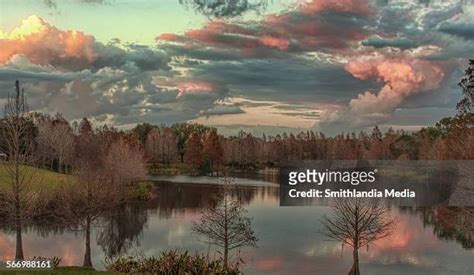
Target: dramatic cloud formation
(44,44)
(314,25)
(73,50)
(71,73)
(340,65)
(401,77)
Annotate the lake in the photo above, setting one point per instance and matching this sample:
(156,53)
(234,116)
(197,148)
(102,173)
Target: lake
(290,241)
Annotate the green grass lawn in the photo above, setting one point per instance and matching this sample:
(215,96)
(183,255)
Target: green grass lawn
(46,180)
(39,177)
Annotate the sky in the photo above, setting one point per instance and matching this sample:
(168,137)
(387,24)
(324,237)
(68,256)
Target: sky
(328,65)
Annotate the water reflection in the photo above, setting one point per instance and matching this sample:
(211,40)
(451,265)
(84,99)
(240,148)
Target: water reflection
(289,242)
(449,223)
(122,229)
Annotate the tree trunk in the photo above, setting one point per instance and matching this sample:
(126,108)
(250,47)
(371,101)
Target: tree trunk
(226,235)
(87,254)
(19,242)
(60,164)
(226,255)
(355,265)
(18,218)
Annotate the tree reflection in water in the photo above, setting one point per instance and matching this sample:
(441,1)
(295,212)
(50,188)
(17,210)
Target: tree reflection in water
(122,229)
(449,223)
(119,232)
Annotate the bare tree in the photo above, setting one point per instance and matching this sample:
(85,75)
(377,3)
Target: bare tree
(100,186)
(55,141)
(63,140)
(85,201)
(226,224)
(152,146)
(44,151)
(125,163)
(467,84)
(161,146)
(18,135)
(357,222)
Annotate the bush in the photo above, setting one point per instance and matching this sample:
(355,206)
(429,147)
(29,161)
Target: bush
(139,191)
(205,168)
(171,262)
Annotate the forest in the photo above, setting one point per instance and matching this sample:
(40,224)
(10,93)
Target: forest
(202,150)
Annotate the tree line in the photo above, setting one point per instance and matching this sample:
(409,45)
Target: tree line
(56,140)
(451,138)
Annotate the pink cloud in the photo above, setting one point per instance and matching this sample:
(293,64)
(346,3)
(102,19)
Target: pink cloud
(220,33)
(347,6)
(168,37)
(301,29)
(45,44)
(274,42)
(195,86)
(402,77)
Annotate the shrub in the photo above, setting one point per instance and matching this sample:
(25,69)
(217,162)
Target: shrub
(171,262)
(139,191)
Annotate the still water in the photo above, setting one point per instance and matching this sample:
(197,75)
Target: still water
(290,241)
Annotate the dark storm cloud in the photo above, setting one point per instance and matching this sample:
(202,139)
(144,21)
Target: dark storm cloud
(224,8)
(201,53)
(110,95)
(8,74)
(295,79)
(402,43)
(144,58)
(222,110)
(50,3)
(53,4)
(462,29)
(435,16)
(410,25)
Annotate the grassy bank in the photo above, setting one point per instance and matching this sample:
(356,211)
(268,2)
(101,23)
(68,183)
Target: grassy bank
(48,181)
(40,178)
